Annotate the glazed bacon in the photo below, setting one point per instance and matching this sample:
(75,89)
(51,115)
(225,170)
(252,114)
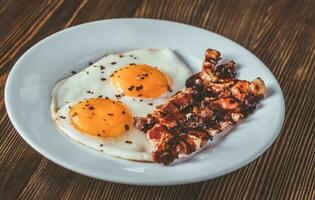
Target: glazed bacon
(212,101)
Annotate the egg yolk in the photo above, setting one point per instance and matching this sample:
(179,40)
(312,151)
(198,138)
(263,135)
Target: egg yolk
(140,80)
(100,117)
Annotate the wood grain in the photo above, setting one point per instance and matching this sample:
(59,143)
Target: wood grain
(281,33)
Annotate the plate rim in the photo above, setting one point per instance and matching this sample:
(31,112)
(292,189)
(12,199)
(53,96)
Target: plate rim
(66,165)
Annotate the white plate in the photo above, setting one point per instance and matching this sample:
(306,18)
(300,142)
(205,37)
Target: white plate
(27,97)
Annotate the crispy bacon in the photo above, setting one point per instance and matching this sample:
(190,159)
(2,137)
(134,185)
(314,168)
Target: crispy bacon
(212,101)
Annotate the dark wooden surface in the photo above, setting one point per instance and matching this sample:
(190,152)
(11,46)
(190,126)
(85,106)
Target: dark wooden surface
(281,33)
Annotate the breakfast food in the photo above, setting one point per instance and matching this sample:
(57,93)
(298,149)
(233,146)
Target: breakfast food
(125,104)
(96,106)
(212,101)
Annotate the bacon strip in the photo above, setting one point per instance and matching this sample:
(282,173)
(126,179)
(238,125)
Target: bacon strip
(212,101)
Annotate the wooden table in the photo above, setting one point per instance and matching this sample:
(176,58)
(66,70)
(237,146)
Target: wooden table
(281,33)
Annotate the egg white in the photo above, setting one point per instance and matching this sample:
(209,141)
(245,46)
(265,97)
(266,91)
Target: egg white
(88,84)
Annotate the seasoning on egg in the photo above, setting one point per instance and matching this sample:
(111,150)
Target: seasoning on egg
(103,79)
(113,63)
(128,142)
(126,127)
(140,87)
(169,88)
(131,88)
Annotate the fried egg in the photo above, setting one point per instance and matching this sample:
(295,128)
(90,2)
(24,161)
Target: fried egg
(96,106)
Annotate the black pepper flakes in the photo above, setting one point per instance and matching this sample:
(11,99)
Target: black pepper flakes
(88,91)
(120,55)
(110,114)
(150,104)
(126,127)
(128,142)
(111,75)
(117,95)
(106,98)
(91,108)
(101,145)
(169,88)
(73,72)
(132,64)
(140,95)
(131,88)
(90,63)
(62,117)
(103,79)
(123,112)
(141,100)
(99,135)
(100,96)
(102,67)
(140,87)
(113,63)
